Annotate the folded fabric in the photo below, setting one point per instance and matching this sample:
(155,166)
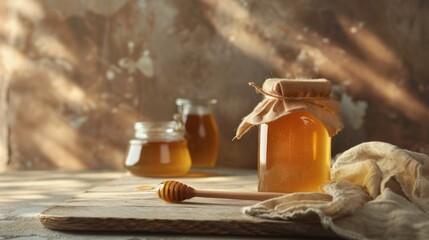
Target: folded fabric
(378,191)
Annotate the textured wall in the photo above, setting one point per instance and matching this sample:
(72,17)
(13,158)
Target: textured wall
(79,73)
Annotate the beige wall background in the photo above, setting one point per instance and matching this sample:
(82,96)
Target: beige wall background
(75,75)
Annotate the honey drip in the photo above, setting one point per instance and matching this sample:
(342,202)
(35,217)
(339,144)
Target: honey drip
(158,159)
(203,139)
(294,154)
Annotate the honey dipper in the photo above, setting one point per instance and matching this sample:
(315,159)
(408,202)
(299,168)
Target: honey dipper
(174,192)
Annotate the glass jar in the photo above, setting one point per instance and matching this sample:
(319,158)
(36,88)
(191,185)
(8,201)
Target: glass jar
(201,130)
(158,150)
(296,119)
(294,154)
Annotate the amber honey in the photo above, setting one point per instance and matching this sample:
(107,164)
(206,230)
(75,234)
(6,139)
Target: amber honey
(203,139)
(294,154)
(158,158)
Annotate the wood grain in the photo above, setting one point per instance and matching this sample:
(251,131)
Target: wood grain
(119,206)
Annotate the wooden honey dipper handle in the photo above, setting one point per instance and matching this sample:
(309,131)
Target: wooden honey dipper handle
(172,191)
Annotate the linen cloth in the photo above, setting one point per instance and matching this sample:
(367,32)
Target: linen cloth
(378,191)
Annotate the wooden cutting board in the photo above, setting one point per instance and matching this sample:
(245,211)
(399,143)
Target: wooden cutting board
(120,206)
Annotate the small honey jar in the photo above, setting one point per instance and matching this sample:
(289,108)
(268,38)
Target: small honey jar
(201,130)
(296,119)
(158,150)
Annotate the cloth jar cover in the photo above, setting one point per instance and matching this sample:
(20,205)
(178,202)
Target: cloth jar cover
(377,191)
(285,96)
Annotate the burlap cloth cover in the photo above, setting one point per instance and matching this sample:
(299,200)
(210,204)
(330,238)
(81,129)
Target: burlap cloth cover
(285,96)
(378,191)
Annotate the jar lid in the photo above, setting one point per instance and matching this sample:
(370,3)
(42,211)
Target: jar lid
(196,101)
(164,126)
(166,130)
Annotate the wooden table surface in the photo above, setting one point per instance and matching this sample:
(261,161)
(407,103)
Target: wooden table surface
(24,194)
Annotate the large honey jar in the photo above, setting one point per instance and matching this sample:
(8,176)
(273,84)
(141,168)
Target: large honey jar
(294,154)
(201,130)
(159,149)
(296,120)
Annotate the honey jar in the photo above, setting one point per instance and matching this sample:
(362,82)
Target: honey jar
(201,130)
(296,119)
(294,154)
(159,149)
